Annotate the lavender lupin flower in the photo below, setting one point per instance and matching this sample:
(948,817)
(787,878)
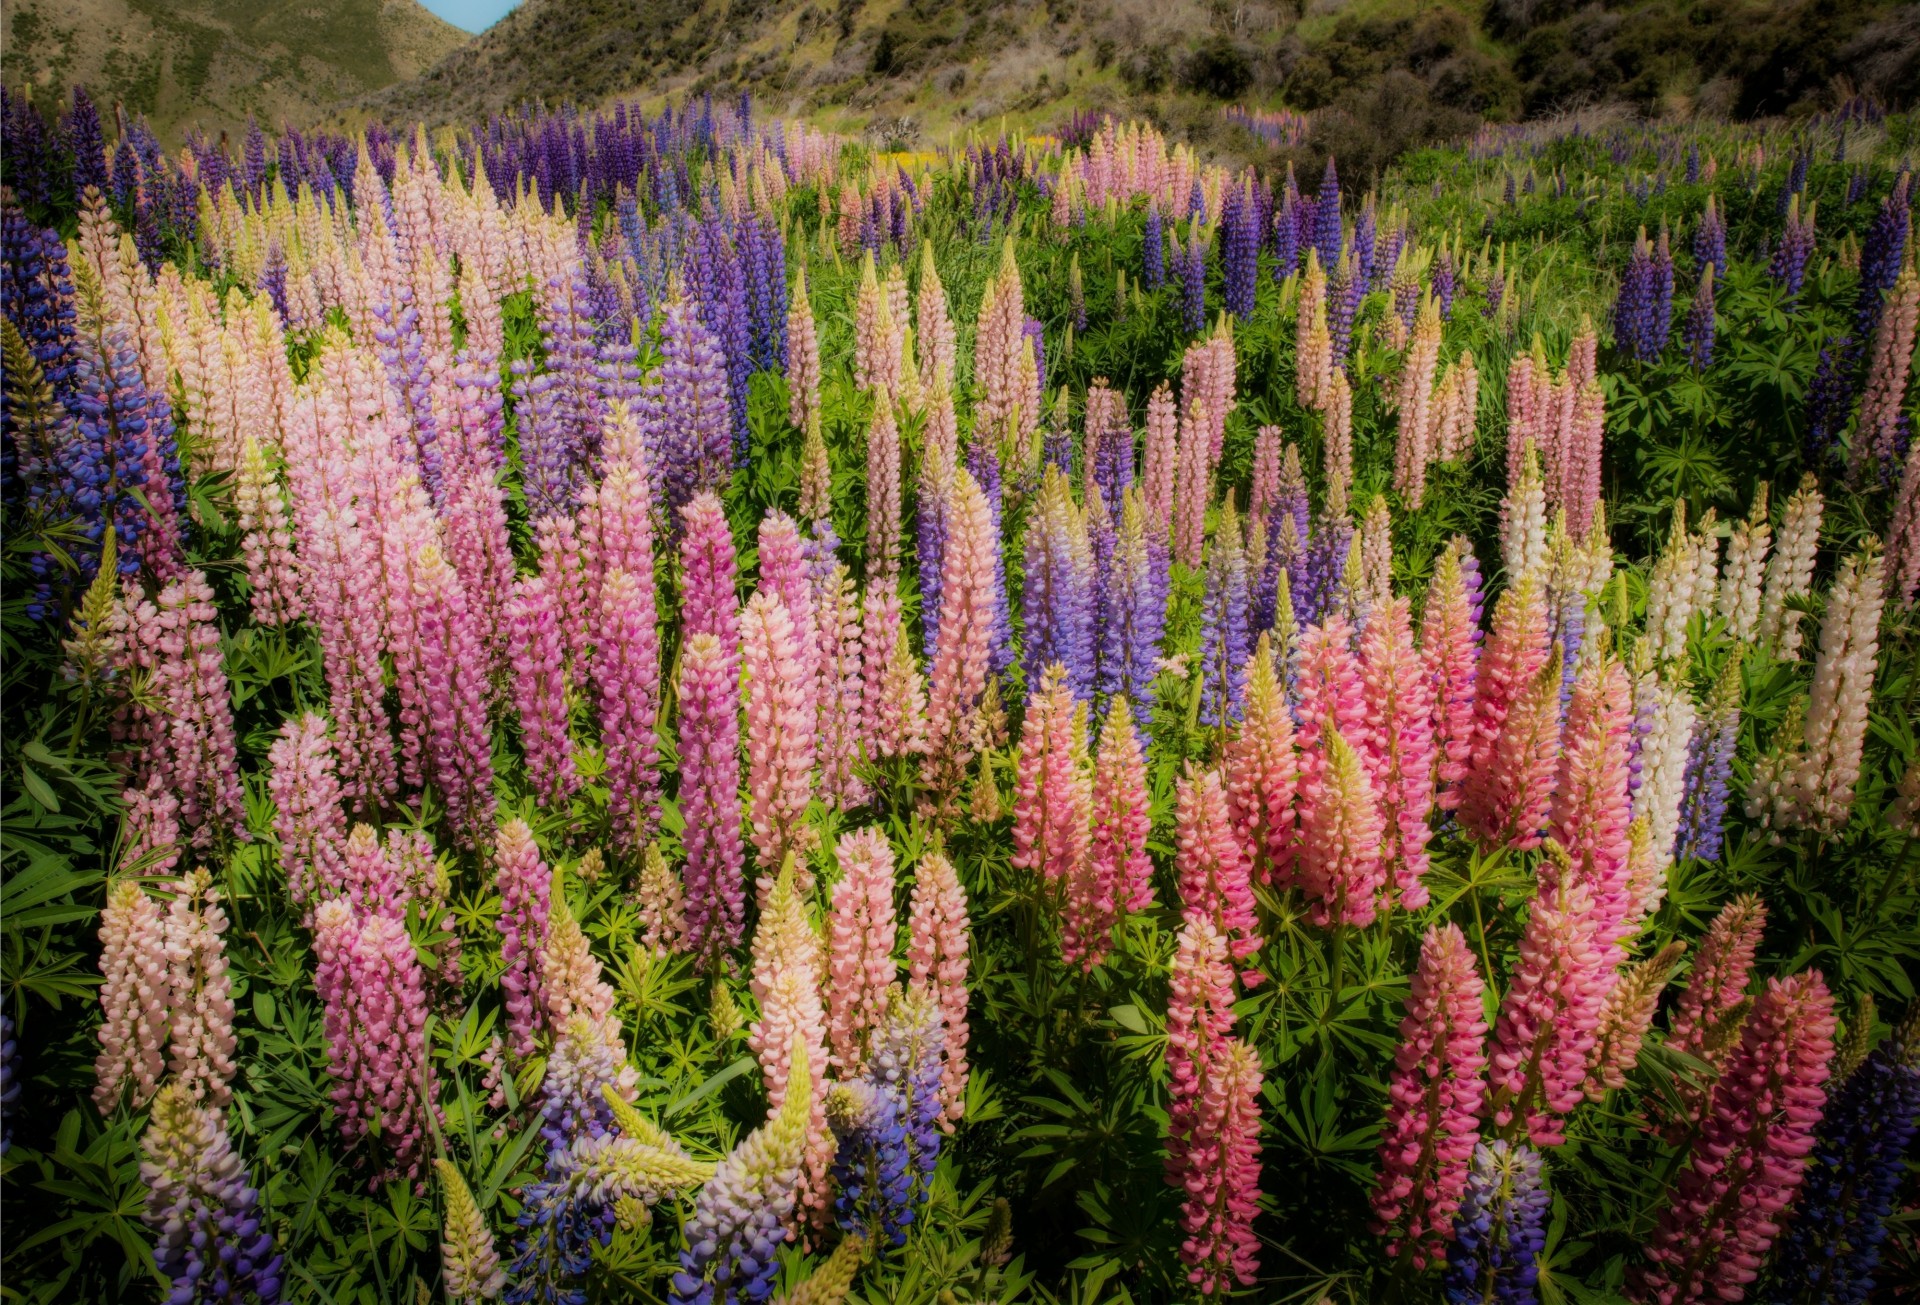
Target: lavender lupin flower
(1224,636)
(1193,283)
(1500,1229)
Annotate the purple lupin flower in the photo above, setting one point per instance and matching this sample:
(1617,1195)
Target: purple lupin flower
(403,352)
(1660,324)
(1365,245)
(1286,232)
(1316,583)
(86,143)
(1241,251)
(1445,280)
(1224,635)
(1830,397)
(1633,312)
(1344,292)
(1703,805)
(685,410)
(1500,1229)
(558,410)
(1058,597)
(1710,240)
(1788,267)
(1133,613)
(1193,283)
(1327,234)
(1880,255)
(1700,325)
(1153,253)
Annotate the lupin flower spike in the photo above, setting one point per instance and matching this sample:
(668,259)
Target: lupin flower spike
(780,731)
(1211,866)
(212,1245)
(937,962)
(469,1264)
(860,933)
(1263,773)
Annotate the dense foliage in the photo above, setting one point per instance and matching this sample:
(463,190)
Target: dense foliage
(608,708)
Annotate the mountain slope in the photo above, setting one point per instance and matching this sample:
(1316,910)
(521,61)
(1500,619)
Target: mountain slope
(1387,73)
(209,64)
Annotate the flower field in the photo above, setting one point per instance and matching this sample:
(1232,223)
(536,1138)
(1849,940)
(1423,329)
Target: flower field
(606,707)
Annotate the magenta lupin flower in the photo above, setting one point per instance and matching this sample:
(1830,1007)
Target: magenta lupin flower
(1339,867)
(779,688)
(1212,871)
(371,985)
(308,819)
(1591,805)
(1450,647)
(1745,1165)
(1510,671)
(710,792)
(860,935)
(937,948)
(1433,1100)
(537,657)
(524,882)
(1551,1013)
(709,602)
(1327,681)
(968,575)
(1714,1002)
(564,567)
(1263,773)
(1400,752)
(1053,797)
(626,676)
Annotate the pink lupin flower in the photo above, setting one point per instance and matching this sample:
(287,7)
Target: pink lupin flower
(1714,1002)
(308,819)
(1591,805)
(785,981)
(1338,866)
(1400,750)
(1161,460)
(1517,788)
(785,572)
(438,641)
(199,991)
(1585,448)
(937,950)
(969,568)
(1725,1209)
(369,877)
(183,729)
(537,657)
(370,983)
(709,603)
(887,715)
(931,319)
(860,935)
(1835,732)
(1193,475)
(1903,532)
(1119,872)
(1331,691)
(1212,870)
(626,676)
(524,883)
(710,791)
(842,726)
(803,355)
(883,491)
(1551,1014)
(1510,669)
(1876,438)
(1263,773)
(1312,343)
(1266,473)
(1450,647)
(267,542)
(563,566)
(1053,803)
(1433,1100)
(780,733)
(135,1024)
(616,524)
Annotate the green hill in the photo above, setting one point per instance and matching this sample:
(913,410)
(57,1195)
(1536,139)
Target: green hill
(1387,72)
(208,64)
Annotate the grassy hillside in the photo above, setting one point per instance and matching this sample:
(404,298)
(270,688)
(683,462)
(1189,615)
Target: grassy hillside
(208,64)
(1389,73)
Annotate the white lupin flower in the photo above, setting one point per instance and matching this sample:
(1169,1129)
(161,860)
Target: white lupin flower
(1746,570)
(1836,726)
(1790,570)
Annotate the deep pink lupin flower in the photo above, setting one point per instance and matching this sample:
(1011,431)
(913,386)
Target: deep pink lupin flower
(183,729)
(1122,814)
(709,603)
(937,948)
(626,676)
(616,527)
(1433,1100)
(524,883)
(1263,773)
(1400,750)
(1212,870)
(860,935)
(1745,1165)
(1053,800)
(1331,693)
(1339,867)
(1551,1013)
(1510,669)
(779,687)
(537,659)
(1591,805)
(370,982)
(1450,647)
(710,792)
(1714,1002)
(308,819)
(563,566)
(1523,767)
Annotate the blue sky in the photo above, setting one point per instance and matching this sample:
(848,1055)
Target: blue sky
(473,15)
